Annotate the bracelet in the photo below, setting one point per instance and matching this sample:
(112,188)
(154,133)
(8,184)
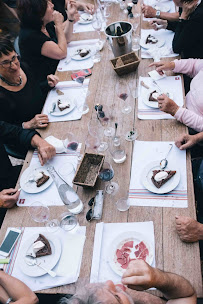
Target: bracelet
(9,300)
(70,19)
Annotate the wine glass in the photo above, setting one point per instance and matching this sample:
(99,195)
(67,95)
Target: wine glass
(82,108)
(67,172)
(92,142)
(106,174)
(97,25)
(104,116)
(40,213)
(123,92)
(95,129)
(71,143)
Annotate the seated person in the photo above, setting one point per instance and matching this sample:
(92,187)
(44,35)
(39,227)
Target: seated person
(138,276)
(43,38)
(192,116)
(9,174)
(14,291)
(188,38)
(61,6)
(21,97)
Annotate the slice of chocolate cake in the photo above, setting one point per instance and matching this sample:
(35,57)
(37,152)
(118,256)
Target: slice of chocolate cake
(160,177)
(46,250)
(62,105)
(151,39)
(83,52)
(153,96)
(42,180)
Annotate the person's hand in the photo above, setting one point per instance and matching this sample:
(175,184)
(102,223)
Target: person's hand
(188,229)
(38,122)
(163,66)
(52,80)
(45,150)
(139,275)
(158,24)
(58,18)
(9,197)
(87,7)
(72,10)
(167,105)
(148,11)
(186,141)
(188,8)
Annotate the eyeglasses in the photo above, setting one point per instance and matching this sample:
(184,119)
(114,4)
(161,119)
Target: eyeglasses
(90,213)
(7,63)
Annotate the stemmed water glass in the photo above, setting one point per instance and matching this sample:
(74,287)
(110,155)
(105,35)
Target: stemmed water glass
(123,93)
(97,25)
(95,129)
(104,116)
(40,213)
(92,142)
(106,174)
(82,108)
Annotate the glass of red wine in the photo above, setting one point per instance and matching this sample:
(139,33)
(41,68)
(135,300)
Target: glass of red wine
(71,143)
(105,118)
(92,143)
(123,93)
(106,174)
(82,106)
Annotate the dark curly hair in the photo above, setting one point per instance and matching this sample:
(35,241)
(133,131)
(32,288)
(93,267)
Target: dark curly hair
(6,45)
(31,12)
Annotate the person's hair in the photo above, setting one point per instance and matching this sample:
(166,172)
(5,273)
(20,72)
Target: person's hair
(31,13)
(6,46)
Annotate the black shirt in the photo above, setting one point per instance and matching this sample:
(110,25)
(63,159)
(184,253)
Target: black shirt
(188,39)
(59,5)
(22,106)
(30,43)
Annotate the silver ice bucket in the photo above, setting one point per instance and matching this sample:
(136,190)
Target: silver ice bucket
(119,36)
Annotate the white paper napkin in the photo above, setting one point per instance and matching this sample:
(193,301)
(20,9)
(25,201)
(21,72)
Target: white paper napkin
(145,152)
(171,84)
(165,50)
(77,64)
(49,196)
(104,236)
(79,28)
(73,91)
(68,267)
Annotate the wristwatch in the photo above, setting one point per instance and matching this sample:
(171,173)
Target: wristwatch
(158,12)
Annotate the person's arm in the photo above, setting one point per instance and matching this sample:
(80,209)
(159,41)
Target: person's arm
(191,67)
(72,16)
(45,150)
(190,119)
(8,198)
(150,12)
(140,276)
(39,121)
(16,290)
(188,229)
(187,141)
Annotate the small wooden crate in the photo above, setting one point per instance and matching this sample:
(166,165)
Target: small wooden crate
(88,170)
(130,63)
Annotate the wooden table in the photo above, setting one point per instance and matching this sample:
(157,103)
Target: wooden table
(171,254)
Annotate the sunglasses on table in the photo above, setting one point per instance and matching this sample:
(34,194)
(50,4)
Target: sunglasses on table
(90,213)
(7,63)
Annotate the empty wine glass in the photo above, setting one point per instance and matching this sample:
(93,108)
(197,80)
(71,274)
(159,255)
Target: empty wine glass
(40,213)
(68,221)
(82,107)
(97,25)
(92,142)
(95,129)
(104,116)
(71,143)
(106,174)
(123,92)
(67,172)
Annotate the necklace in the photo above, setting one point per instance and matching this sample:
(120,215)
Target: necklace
(10,83)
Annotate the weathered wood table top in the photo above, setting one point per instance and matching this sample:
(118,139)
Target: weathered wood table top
(171,253)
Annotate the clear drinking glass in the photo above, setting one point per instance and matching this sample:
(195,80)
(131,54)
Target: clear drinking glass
(40,213)
(136,43)
(97,25)
(68,221)
(123,92)
(92,142)
(71,143)
(105,117)
(106,174)
(96,56)
(67,172)
(123,204)
(84,108)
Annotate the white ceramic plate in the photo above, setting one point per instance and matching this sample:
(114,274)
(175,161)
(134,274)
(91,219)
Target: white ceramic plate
(146,175)
(57,112)
(162,7)
(77,57)
(119,241)
(31,187)
(85,16)
(159,44)
(153,104)
(48,261)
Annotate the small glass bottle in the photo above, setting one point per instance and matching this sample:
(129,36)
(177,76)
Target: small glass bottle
(68,196)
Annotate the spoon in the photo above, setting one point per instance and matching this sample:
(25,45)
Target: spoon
(32,261)
(164,162)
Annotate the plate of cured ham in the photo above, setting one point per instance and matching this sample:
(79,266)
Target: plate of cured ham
(127,247)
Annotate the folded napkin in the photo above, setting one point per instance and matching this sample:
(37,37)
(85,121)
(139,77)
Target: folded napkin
(68,266)
(79,28)
(105,234)
(145,152)
(49,196)
(165,50)
(74,94)
(169,84)
(69,64)
(57,143)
